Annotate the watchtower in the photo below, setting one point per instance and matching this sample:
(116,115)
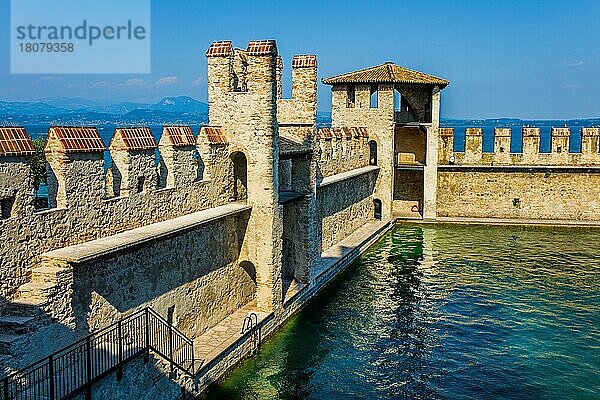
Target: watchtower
(401,109)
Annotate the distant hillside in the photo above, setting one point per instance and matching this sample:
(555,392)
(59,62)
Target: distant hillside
(61,110)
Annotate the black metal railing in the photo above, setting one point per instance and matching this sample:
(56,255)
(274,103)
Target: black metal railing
(76,367)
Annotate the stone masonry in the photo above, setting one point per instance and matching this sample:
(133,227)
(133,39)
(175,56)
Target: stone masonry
(249,212)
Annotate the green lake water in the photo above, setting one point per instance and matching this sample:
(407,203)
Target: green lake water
(444,312)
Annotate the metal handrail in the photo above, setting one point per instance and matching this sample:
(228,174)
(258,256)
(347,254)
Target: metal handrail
(77,366)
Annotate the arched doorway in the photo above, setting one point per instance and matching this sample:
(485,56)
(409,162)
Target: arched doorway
(377,209)
(240,176)
(372,152)
(250,270)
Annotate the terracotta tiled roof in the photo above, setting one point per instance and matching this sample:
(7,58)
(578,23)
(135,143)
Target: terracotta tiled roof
(386,73)
(587,132)
(364,132)
(77,139)
(262,47)
(220,49)
(502,132)
(347,133)
(14,141)
(446,132)
(214,134)
(337,132)
(474,132)
(561,132)
(179,136)
(136,138)
(324,133)
(304,61)
(527,131)
(355,132)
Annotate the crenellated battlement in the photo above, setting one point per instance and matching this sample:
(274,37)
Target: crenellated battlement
(86,202)
(343,149)
(530,153)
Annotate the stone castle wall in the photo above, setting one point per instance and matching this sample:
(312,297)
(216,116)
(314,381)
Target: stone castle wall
(341,150)
(379,122)
(345,206)
(530,154)
(84,212)
(528,185)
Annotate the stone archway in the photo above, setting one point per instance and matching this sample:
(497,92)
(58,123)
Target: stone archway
(377,209)
(240,176)
(372,152)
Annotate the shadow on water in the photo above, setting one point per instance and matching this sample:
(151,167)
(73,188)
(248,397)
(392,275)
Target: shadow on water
(444,312)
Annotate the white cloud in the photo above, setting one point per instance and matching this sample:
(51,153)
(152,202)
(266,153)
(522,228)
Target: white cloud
(49,78)
(575,63)
(166,80)
(571,86)
(133,82)
(102,84)
(198,81)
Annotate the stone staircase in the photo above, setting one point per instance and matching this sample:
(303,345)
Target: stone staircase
(30,309)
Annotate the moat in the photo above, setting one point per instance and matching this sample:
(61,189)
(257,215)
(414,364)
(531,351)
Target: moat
(441,311)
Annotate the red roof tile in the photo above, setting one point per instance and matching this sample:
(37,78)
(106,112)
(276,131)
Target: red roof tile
(180,136)
(304,61)
(220,49)
(215,135)
(347,133)
(446,132)
(337,132)
(386,73)
(77,139)
(560,132)
(364,132)
(262,47)
(136,138)
(14,141)
(531,131)
(587,132)
(473,131)
(324,133)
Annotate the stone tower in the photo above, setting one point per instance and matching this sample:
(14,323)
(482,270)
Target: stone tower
(242,97)
(401,109)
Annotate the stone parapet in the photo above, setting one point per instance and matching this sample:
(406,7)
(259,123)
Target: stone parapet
(530,154)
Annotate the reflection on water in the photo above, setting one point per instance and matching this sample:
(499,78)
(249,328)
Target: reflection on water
(444,312)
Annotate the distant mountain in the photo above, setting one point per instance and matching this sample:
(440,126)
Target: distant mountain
(71,103)
(63,110)
(181,104)
(25,108)
(508,122)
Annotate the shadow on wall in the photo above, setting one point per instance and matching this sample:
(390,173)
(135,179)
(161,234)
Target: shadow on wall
(177,268)
(139,379)
(341,195)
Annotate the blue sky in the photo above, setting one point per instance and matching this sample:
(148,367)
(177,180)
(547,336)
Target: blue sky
(527,59)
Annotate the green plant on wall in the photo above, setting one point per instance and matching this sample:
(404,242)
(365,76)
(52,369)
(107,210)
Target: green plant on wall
(37,163)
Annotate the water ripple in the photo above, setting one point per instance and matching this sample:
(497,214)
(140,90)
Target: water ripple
(444,312)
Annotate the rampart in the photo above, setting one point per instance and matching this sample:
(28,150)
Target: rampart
(528,185)
(258,210)
(195,225)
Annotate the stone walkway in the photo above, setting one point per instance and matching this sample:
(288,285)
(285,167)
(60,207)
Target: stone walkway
(508,221)
(218,338)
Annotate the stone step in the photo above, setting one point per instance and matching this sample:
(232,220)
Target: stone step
(26,307)
(16,324)
(46,274)
(36,290)
(6,343)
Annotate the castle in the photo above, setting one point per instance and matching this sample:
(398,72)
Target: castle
(255,213)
